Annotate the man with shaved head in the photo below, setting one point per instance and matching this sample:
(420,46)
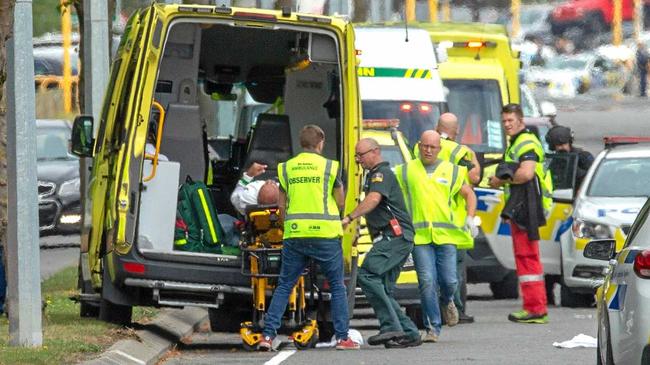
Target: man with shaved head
(430,187)
(461,155)
(392,233)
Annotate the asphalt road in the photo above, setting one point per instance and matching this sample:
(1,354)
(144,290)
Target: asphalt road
(56,254)
(492,339)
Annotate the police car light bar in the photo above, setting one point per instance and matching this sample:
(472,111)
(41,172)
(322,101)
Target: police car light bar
(380,123)
(613,141)
(468,44)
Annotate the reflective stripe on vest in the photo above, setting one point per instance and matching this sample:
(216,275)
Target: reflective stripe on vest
(310,207)
(454,154)
(530,278)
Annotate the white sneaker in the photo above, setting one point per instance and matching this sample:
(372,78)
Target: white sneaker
(450,314)
(429,337)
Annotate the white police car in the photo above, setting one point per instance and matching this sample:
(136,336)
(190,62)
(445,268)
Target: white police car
(623,301)
(612,193)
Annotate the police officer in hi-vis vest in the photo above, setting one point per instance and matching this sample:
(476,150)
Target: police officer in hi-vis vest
(392,232)
(431,188)
(311,196)
(527,152)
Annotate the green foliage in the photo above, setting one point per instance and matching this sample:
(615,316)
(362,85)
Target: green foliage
(67,338)
(47,15)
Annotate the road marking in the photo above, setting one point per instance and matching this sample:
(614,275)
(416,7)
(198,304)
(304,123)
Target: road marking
(279,358)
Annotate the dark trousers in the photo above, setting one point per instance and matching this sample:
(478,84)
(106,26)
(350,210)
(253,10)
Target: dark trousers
(459,299)
(377,276)
(643,82)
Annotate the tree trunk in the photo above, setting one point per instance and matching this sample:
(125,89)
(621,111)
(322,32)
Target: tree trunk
(6,28)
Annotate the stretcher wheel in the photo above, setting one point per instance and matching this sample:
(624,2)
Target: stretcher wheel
(311,343)
(307,336)
(248,347)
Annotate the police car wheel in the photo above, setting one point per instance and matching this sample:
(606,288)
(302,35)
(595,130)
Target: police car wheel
(507,288)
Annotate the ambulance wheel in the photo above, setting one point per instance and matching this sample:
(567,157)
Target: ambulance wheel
(415,313)
(225,319)
(87,310)
(115,313)
(508,288)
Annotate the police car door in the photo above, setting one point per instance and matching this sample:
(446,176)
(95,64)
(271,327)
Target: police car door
(497,231)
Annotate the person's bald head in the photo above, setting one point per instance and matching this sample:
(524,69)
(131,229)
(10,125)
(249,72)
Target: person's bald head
(429,147)
(448,124)
(269,193)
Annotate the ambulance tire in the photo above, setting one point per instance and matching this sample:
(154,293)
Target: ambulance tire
(415,313)
(574,300)
(507,288)
(86,310)
(115,313)
(226,319)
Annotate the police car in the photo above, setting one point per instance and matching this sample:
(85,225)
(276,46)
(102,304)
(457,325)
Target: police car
(612,193)
(623,301)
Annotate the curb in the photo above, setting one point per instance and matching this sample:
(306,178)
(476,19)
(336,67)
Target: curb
(155,339)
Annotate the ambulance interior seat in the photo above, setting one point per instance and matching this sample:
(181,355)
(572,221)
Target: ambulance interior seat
(183,141)
(270,143)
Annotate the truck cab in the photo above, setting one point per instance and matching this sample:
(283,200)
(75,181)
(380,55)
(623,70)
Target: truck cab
(177,83)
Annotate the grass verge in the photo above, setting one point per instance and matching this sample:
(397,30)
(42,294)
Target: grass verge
(67,338)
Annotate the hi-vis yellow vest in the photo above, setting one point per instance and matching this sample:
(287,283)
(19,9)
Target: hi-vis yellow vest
(454,152)
(524,143)
(429,199)
(308,181)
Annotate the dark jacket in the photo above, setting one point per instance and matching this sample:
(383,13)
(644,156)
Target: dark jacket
(524,207)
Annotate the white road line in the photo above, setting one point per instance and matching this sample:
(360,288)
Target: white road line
(280,357)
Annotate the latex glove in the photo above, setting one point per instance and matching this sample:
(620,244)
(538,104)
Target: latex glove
(471,225)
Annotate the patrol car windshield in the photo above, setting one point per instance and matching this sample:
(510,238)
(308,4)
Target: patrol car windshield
(621,177)
(414,117)
(393,155)
(477,104)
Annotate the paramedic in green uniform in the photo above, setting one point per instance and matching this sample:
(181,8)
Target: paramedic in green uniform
(392,232)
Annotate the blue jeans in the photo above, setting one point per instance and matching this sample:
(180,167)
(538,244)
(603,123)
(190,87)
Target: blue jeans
(435,266)
(295,257)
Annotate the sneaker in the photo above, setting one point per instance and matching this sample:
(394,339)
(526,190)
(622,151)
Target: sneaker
(403,343)
(430,337)
(381,338)
(450,314)
(347,344)
(268,344)
(465,318)
(523,316)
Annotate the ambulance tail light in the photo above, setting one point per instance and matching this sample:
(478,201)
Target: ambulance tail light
(475,44)
(642,264)
(425,108)
(406,107)
(380,123)
(134,267)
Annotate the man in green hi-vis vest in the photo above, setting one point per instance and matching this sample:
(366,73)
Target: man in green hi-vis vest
(430,187)
(311,196)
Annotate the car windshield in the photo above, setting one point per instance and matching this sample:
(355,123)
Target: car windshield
(479,120)
(414,117)
(393,155)
(52,144)
(564,63)
(621,177)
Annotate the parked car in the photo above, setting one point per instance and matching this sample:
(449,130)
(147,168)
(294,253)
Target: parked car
(623,302)
(58,178)
(568,76)
(612,193)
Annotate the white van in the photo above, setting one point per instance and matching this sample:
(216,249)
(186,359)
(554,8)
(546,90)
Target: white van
(398,78)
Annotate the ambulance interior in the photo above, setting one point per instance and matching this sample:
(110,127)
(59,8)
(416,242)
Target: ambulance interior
(233,95)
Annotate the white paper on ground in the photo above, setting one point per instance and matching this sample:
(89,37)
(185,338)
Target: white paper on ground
(352,333)
(580,340)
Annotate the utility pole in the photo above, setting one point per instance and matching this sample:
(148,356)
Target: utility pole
(433,11)
(409,7)
(617,35)
(66,32)
(515,7)
(638,18)
(446,11)
(23,251)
